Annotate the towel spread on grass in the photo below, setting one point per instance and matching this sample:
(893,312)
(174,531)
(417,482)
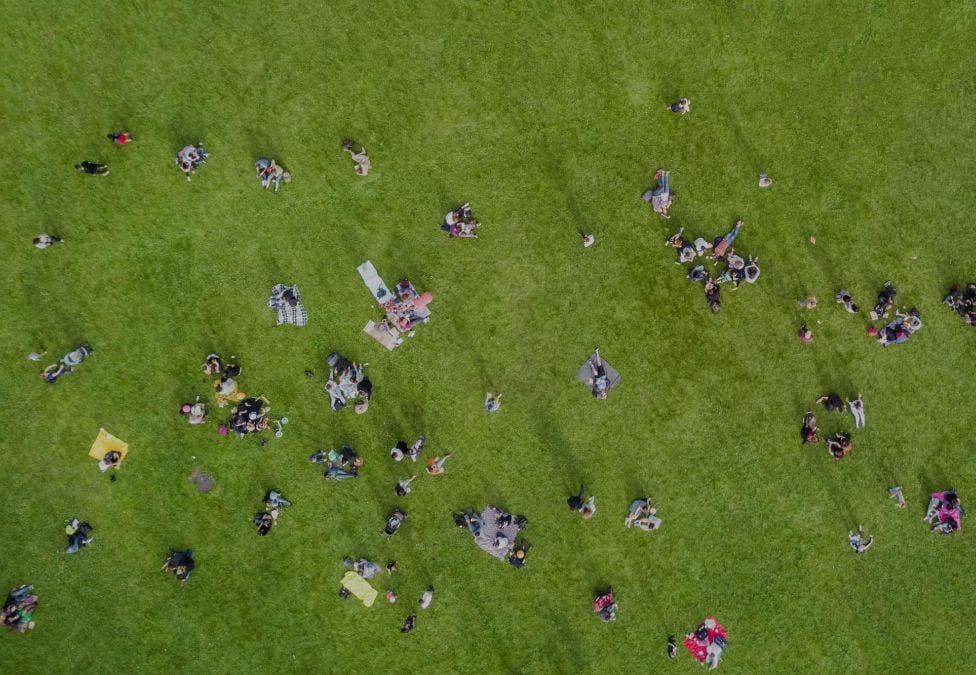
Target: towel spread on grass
(360,588)
(490,530)
(374,283)
(106,443)
(585,373)
(285,313)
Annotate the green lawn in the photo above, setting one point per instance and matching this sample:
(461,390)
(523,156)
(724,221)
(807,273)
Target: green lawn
(548,117)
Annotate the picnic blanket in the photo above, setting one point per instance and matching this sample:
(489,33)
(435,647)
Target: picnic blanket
(700,651)
(490,530)
(360,588)
(373,282)
(385,335)
(106,443)
(285,313)
(585,373)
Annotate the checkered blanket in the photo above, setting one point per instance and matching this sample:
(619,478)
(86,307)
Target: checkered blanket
(286,313)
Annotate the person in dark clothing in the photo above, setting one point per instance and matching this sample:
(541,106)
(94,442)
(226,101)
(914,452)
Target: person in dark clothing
(832,403)
(808,432)
(181,564)
(78,537)
(575,502)
(264,521)
(92,169)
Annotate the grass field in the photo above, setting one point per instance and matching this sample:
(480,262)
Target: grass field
(549,118)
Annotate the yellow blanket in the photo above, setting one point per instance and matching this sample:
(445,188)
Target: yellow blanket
(360,588)
(105,443)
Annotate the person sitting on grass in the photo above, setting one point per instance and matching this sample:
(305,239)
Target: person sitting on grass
(275,500)
(403,486)
(945,512)
(269,173)
(111,460)
(808,430)
(492,402)
(361,158)
(839,446)
(643,515)
(92,168)
(686,250)
(435,465)
(963,304)
(660,197)
(682,106)
(181,564)
(191,157)
(42,241)
(367,569)
(212,365)
(606,606)
(195,413)
(586,509)
(78,536)
(517,556)
(857,540)
(886,300)
(460,222)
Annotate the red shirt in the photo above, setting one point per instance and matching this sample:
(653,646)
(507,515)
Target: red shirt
(123,139)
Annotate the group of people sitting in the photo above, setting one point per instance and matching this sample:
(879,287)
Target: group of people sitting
(249,416)
(191,157)
(270,173)
(708,642)
(225,386)
(945,512)
(274,502)
(78,533)
(720,251)
(18,609)
(407,307)
(963,303)
(343,464)
(181,564)
(461,223)
(347,382)
(495,531)
(839,445)
(586,508)
(642,515)
(605,605)
(67,364)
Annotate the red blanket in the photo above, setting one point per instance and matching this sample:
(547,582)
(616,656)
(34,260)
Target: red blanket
(698,647)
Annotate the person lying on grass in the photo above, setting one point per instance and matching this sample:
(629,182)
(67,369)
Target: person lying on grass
(361,158)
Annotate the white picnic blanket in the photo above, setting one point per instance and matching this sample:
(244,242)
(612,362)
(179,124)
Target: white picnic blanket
(374,283)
